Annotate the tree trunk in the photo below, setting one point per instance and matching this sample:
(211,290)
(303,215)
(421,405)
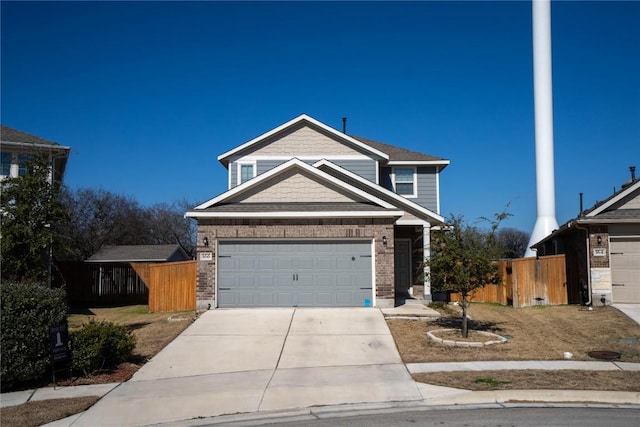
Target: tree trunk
(465,330)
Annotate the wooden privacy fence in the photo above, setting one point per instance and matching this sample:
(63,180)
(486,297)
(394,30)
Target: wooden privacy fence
(526,282)
(172,286)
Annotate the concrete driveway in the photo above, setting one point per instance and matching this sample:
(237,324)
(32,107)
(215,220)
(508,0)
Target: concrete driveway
(249,360)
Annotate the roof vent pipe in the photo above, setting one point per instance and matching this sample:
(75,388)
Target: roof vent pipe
(581,204)
(632,169)
(344,125)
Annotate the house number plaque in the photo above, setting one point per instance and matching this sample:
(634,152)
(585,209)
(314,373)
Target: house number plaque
(206,256)
(600,252)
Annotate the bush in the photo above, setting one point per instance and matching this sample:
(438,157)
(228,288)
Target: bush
(100,345)
(28,310)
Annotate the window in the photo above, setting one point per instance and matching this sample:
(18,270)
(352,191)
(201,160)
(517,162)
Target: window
(246,171)
(22,163)
(6,164)
(405,181)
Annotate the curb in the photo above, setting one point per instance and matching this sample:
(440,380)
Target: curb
(354,410)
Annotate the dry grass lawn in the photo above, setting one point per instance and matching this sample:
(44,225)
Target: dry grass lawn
(37,413)
(153,332)
(535,333)
(535,380)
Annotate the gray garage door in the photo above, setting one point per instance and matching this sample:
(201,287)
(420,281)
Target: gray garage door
(294,274)
(625,269)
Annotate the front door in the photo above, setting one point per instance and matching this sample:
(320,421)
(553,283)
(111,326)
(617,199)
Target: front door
(402,259)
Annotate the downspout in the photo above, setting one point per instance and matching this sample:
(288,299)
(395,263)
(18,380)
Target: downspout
(589,292)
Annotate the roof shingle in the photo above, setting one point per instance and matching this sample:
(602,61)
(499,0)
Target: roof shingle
(138,253)
(397,153)
(8,134)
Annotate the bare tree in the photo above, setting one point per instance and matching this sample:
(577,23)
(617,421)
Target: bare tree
(99,217)
(512,242)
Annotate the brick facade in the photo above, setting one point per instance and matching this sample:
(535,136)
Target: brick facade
(601,232)
(226,229)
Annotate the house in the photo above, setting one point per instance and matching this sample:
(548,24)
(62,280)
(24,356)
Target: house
(602,249)
(316,217)
(16,147)
(120,272)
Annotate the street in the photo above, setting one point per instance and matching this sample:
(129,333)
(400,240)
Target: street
(498,417)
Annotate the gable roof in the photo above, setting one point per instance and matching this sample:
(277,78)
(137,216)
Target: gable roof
(139,253)
(400,156)
(604,212)
(369,205)
(224,157)
(610,202)
(12,136)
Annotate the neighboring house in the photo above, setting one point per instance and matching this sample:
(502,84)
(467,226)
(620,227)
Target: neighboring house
(602,249)
(316,217)
(118,271)
(16,147)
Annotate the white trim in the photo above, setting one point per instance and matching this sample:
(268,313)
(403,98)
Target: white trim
(300,118)
(615,199)
(285,158)
(426,253)
(239,165)
(413,195)
(381,189)
(297,214)
(374,293)
(438,192)
(418,162)
(377,172)
(606,221)
(285,166)
(28,145)
(216,268)
(412,222)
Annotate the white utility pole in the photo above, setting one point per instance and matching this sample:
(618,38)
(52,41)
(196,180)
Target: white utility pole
(543,102)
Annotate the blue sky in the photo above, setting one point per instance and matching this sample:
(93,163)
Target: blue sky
(149,94)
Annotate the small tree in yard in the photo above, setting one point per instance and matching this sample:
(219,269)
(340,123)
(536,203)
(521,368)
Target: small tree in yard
(462,259)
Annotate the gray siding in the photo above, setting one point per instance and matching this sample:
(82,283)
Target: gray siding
(233,169)
(427,186)
(363,168)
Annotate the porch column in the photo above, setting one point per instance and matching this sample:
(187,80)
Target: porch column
(426,251)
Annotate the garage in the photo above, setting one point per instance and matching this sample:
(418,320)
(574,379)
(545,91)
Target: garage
(625,269)
(298,273)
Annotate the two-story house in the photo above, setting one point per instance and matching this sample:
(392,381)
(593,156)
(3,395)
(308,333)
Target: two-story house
(316,217)
(16,147)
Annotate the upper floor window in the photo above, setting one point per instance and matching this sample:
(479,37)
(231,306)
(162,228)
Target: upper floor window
(405,181)
(246,171)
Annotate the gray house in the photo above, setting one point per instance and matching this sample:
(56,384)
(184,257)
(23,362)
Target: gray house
(316,217)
